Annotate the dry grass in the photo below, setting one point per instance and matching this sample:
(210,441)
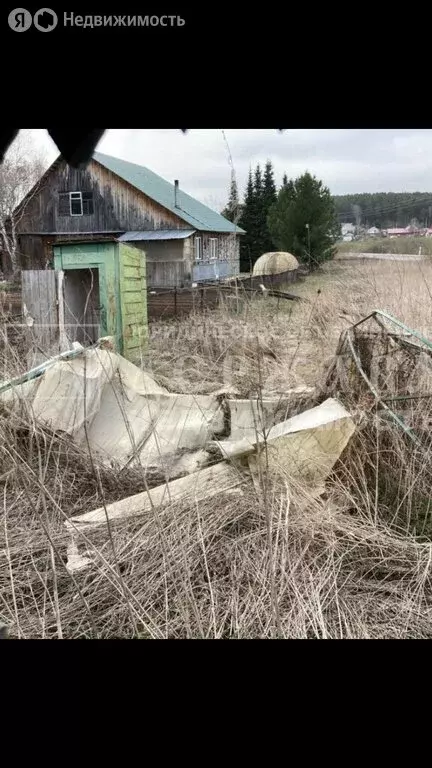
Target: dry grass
(206,571)
(293,341)
(404,244)
(355,563)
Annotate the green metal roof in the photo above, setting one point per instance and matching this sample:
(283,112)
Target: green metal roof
(190,210)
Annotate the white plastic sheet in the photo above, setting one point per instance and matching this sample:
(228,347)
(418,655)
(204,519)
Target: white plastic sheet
(107,404)
(305,446)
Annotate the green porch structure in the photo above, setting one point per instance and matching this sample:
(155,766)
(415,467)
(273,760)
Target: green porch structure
(105,294)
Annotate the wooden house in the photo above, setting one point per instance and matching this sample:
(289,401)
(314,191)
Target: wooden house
(184,240)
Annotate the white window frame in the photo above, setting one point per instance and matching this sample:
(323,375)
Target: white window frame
(198,249)
(213,242)
(75,196)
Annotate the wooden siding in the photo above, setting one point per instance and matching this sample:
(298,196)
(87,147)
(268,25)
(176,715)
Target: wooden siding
(171,263)
(227,248)
(166,267)
(228,256)
(162,250)
(36,251)
(133,298)
(166,274)
(33,252)
(117,205)
(122,289)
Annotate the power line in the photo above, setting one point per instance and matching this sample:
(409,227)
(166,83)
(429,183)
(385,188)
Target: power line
(380,210)
(417,196)
(387,210)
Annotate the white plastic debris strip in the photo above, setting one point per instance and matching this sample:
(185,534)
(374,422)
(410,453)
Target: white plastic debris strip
(212,481)
(258,415)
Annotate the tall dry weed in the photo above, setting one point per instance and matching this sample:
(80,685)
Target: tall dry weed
(353,563)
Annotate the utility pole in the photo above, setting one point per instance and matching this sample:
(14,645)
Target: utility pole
(309,253)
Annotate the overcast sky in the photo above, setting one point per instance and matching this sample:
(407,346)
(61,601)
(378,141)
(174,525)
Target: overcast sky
(347,160)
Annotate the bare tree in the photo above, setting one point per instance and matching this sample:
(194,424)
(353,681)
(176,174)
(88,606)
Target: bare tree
(22,167)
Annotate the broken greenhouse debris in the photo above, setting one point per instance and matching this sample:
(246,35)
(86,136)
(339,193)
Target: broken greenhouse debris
(211,481)
(34,373)
(122,416)
(261,413)
(305,446)
(381,361)
(76,561)
(117,411)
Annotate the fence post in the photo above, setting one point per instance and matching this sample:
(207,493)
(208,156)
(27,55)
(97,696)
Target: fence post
(175,301)
(202,299)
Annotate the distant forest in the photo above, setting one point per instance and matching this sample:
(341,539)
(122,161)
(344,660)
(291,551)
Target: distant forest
(385,209)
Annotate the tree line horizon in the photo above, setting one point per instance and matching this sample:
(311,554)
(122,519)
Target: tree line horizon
(303,218)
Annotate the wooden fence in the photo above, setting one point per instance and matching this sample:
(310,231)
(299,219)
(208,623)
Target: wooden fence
(276,282)
(39,293)
(168,303)
(39,297)
(178,302)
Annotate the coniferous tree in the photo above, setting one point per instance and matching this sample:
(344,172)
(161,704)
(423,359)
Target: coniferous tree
(269,196)
(260,196)
(258,182)
(285,180)
(303,220)
(247,223)
(231,211)
(269,186)
(260,214)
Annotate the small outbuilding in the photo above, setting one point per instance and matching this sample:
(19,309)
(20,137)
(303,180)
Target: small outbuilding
(104,294)
(275,268)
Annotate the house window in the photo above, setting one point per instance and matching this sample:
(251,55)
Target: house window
(198,249)
(213,248)
(76,207)
(87,202)
(75,204)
